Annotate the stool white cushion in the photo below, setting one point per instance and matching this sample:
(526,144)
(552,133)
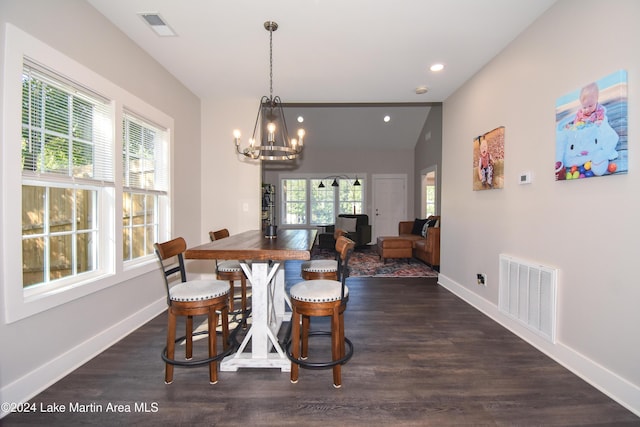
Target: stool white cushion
(318,291)
(198,290)
(320,266)
(229,266)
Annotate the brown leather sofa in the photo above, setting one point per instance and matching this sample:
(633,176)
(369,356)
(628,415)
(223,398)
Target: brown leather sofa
(425,248)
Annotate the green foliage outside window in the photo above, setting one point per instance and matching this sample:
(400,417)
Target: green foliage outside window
(322,203)
(57,129)
(294,193)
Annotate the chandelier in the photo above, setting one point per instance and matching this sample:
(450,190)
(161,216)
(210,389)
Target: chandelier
(274,142)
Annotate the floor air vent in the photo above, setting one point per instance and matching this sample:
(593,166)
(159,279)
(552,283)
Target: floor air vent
(527,293)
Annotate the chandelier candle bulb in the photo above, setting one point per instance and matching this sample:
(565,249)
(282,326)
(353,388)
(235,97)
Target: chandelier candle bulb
(272,129)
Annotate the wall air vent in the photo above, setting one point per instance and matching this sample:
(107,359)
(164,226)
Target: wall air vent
(527,293)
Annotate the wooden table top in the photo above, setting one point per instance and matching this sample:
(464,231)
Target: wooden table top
(252,245)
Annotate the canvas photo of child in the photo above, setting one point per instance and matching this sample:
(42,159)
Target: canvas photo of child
(591,130)
(488,160)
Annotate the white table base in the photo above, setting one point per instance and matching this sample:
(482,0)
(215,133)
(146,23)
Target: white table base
(268,299)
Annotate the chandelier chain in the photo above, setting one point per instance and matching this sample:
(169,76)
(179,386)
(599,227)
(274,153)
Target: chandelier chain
(271,63)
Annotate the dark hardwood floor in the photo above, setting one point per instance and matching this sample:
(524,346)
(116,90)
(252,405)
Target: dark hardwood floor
(422,357)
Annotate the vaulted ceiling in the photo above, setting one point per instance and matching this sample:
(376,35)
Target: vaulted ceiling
(326,51)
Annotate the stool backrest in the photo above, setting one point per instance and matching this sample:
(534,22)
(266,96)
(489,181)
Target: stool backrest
(217,235)
(336,235)
(167,250)
(344,246)
(220,234)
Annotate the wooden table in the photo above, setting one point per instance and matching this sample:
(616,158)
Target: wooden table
(261,259)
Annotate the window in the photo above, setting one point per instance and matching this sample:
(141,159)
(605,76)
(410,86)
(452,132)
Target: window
(304,198)
(144,184)
(322,203)
(294,199)
(351,196)
(85,167)
(65,162)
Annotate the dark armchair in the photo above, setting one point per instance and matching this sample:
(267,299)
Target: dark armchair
(361,236)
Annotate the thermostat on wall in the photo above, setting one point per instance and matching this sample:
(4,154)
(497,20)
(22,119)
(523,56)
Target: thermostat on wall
(525,178)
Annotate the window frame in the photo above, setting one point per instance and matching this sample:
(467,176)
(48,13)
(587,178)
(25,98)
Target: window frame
(19,304)
(308,178)
(157,190)
(284,203)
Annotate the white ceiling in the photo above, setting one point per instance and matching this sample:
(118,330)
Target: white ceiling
(326,51)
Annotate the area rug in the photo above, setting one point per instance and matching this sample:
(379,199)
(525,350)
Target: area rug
(366,263)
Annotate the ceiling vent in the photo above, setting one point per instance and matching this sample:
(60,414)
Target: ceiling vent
(157,24)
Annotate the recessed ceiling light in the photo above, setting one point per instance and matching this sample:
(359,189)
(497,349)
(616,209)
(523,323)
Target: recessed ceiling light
(300,119)
(421,90)
(437,67)
(157,24)
(387,119)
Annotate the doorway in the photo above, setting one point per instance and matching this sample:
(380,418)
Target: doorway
(428,191)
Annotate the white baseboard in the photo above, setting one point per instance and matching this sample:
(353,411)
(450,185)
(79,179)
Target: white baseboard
(44,376)
(609,383)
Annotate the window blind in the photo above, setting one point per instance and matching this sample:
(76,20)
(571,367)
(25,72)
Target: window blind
(66,129)
(144,154)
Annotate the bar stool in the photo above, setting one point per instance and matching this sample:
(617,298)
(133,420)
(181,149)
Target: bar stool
(323,268)
(321,298)
(231,271)
(192,298)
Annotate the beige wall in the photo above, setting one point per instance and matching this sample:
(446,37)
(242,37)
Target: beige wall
(230,185)
(41,348)
(588,229)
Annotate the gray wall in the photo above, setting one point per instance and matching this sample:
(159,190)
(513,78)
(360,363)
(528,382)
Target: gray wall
(353,140)
(350,161)
(428,153)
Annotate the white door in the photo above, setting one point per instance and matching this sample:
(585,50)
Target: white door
(389,204)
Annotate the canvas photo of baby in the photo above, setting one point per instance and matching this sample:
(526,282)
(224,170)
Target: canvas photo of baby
(488,160)
(591,130)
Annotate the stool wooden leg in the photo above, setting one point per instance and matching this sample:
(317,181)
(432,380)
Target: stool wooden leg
(231,294)
(213,323)
(171,343)
(306,325)
(342,344)
(243,283)
(189,337)
(225,327)
(336,346)
(295,344)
